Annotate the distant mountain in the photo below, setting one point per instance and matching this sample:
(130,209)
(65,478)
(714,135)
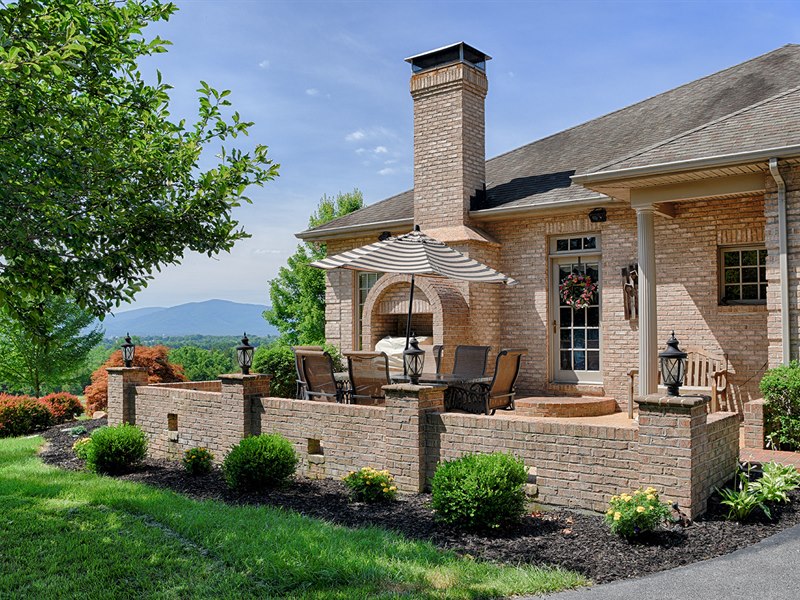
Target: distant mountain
(212,317)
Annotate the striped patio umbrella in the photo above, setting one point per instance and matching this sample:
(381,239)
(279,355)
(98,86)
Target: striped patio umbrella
(414,254)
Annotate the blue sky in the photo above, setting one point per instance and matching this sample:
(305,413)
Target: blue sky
(327,88)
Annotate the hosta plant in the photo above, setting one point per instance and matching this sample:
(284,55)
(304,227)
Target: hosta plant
(630,515)
(743,499)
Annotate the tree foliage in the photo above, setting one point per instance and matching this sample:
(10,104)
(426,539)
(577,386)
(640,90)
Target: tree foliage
(297,294)
(155,359)
(45,347)
(99,187)
(202,365)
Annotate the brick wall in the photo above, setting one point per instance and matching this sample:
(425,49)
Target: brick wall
(754,424)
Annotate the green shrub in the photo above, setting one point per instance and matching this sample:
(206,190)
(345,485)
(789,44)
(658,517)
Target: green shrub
(78,430)
(20,415)
(81,447)
(63,406)
(781,389)
(480,490)
(371,485)
(198,461)
(277,360)
(259,462)
(630,515)
(116,449)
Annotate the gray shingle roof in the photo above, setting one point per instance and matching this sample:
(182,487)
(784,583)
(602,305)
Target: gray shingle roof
(769,124)
(539,173)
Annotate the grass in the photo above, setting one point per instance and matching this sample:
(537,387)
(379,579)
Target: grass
(65,535)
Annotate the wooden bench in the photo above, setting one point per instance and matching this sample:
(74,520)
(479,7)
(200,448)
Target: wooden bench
(706,374)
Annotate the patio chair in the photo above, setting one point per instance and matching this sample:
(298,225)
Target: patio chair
(487,398)
(321,383)
(300,394)
(470,361)
(369,372)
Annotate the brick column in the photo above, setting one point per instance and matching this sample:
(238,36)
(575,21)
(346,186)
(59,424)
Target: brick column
(122,382)
(672,441)
(406,406)
(754,424)
(238,393)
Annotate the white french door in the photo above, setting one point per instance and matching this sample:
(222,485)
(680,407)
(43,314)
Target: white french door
(576,332)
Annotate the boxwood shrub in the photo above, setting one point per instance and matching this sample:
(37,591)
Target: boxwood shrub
(480,490)
(259,462)
(781,389)
(116,449)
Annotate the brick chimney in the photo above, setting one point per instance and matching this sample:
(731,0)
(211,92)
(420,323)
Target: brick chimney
(448,86)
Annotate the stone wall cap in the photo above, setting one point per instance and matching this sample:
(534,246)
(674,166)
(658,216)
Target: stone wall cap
(243,377)
(673,401)
(126,369)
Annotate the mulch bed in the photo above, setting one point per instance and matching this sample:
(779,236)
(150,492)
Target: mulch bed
(577,541)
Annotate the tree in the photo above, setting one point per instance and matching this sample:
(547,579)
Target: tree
(47,348)
(154,358)
(99,187)
(297,294)
(200,364)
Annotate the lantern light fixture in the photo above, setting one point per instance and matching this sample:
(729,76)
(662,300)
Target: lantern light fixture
(414,360)
(128,350)
(673,366)
(244,354)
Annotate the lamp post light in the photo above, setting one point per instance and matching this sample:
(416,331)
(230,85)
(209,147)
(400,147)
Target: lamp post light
(414,360)
(673,366)
(244,354)
(128,350)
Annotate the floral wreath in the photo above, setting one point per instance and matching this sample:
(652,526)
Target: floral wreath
(576,290)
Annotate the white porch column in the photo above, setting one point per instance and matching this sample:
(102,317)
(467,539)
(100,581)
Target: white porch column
(648,342)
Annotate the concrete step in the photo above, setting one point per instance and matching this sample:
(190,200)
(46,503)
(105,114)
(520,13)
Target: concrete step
(557,406)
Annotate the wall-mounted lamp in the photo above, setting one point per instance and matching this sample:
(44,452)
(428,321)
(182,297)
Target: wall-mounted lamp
(598,215)
(385,235)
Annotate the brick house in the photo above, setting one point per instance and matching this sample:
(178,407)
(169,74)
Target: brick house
(694,185)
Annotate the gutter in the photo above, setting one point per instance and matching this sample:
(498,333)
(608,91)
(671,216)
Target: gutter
(346,231)
(783,260)
(723,160)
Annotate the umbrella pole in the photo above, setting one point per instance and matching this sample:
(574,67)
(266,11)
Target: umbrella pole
(408,320)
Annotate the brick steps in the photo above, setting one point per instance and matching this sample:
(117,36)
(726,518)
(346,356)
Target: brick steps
(764,456)
(556,406)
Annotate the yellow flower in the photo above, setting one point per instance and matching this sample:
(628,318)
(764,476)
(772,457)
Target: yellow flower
(614,498)
(393,488)
(617,516)
(651,497)
(650,490)
(610,511)
(640,509)
(650,508)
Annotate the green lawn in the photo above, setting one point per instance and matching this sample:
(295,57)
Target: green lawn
(77,535)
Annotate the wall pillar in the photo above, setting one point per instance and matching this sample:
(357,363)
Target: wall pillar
(648,317)
(754,424)
(677,454)
(238,395)
(406,406)
(122,382)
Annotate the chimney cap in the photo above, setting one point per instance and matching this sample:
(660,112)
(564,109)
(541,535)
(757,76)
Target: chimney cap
(458,52)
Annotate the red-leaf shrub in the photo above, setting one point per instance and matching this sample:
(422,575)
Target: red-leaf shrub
(154,359)
(63,406)
(22,414)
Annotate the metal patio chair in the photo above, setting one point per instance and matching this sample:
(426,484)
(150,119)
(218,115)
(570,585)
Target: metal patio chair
(470,361)
(300,393)
(369,372)
(487,398)
(320,380)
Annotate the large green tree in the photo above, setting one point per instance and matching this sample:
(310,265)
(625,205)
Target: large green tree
(98,185)
(48,348)
(200,364)
(297,294)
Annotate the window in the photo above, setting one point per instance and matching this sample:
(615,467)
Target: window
(743,275)
(575,244)
(365,283)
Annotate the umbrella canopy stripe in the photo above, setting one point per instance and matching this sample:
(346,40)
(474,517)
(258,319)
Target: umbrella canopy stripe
(414,253)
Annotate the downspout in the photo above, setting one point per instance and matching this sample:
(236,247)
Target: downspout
(783,260)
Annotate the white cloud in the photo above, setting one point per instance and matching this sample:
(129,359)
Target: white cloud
(391,161)
(264,64)
(387,171)
(360,150)
(380,150)
(312,92)
(263,251)
(355,135)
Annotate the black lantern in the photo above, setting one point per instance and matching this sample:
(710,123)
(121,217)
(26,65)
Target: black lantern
(414,360)
(244,354)
(673,366)
(128,349)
